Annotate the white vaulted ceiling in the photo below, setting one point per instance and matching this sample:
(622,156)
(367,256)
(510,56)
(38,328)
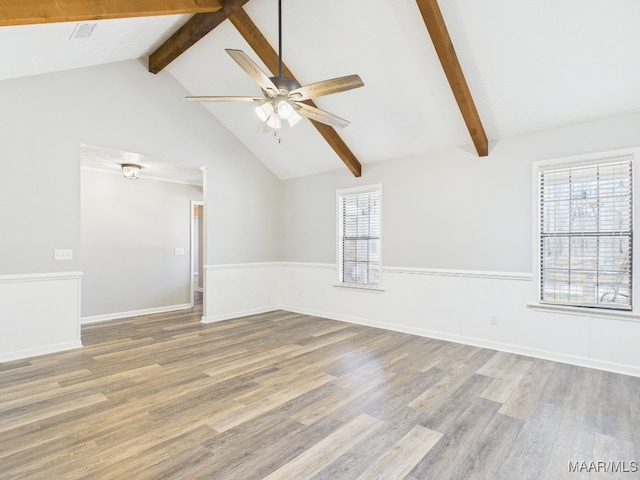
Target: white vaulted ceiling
(530,65)
(33,49)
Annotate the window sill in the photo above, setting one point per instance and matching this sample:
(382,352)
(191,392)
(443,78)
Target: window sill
(585,312)
(362,288)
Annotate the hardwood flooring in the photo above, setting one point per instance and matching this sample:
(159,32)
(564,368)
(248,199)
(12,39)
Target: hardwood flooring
(288,396)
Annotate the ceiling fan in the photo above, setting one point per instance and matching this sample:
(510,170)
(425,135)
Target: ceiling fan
(283,98)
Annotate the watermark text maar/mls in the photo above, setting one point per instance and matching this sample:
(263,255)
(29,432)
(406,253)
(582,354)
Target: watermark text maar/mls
(603,467)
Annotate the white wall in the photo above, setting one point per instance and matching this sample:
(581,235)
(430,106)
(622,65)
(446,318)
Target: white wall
(456,243)
(448,209)
(456,228)
(119,106)
(129,230)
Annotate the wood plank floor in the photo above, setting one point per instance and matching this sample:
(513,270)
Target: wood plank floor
(288,396)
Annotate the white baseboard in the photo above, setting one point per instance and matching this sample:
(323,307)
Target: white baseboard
(42,350)
(475,342)
(244,313)
(133,313)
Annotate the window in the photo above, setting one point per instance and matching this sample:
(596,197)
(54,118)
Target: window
(359,236)
(585,241)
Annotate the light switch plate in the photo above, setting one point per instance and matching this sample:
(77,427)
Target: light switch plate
(63,254)
(178,251)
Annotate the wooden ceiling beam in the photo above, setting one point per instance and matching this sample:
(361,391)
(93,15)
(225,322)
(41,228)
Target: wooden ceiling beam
(22,12)
(446,53)
(269,57)
(189,34)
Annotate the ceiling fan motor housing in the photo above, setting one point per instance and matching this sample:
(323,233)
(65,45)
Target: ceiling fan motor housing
(284,85)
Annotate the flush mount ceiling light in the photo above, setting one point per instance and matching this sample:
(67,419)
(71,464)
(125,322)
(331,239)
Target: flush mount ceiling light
(283,97)
(131,171)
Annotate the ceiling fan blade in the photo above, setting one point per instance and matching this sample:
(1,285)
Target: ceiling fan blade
(253,70)
(326,87)
(225,99)
(320,115)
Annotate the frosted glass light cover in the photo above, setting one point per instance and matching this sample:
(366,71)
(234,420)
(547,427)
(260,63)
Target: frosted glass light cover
(131,172)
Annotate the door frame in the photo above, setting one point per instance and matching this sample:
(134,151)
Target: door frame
(192,286)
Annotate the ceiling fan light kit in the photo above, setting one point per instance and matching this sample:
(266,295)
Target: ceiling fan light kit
(264,111)
(282,97)
(274,121)
(273,112)
(294,118)
(284,109)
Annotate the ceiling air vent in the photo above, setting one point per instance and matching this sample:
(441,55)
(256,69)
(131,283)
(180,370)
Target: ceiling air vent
(83,30)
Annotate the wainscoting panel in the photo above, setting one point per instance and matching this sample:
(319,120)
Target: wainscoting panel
(39,313)
(236,290)
(486,309)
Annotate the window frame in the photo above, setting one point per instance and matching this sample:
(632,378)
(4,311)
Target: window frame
(577,161)
(339,237)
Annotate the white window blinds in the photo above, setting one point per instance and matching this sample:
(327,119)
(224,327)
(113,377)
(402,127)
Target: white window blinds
(586,235)
(359,237)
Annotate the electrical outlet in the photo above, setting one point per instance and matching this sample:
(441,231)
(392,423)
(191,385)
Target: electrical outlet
(60,254)
(494,319)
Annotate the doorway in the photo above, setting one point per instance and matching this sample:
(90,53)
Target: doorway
(135,235)
(197,250)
